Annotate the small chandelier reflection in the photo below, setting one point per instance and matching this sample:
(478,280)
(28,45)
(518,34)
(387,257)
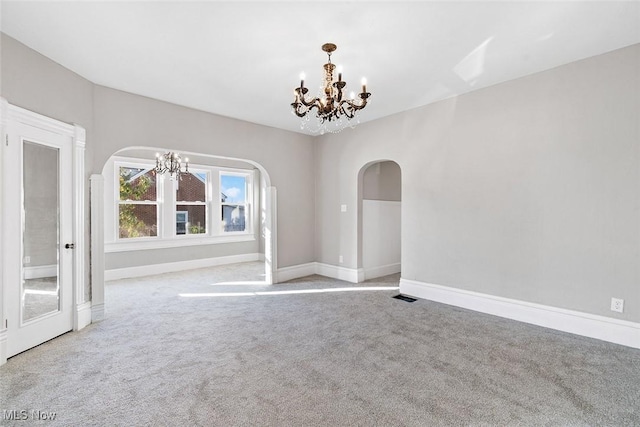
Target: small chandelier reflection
(172,163)
(333,111)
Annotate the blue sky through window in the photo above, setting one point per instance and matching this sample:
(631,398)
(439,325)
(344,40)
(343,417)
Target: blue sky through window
(233,187)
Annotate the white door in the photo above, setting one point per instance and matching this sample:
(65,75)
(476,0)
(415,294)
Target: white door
(38,232)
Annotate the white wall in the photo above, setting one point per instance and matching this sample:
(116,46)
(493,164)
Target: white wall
(528,190)
(124,120)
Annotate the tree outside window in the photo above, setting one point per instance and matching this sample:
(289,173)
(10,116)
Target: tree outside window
(137,206)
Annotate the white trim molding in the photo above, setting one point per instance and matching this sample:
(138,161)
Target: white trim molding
(174,242)
(31,118)
(83,316)
(382,270)
(301,270)
(575,322)
(341,273)
(79,142)
(97,247)
(269,226)
(170,267)
(285,274)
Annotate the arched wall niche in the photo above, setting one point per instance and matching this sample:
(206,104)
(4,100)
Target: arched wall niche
(379,218)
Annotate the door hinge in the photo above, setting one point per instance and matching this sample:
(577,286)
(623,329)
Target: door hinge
(6,138)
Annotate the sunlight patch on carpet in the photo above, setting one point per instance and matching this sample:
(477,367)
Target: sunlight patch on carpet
(289,292)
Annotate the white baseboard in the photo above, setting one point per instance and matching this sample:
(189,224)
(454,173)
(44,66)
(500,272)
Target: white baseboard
(383,270)
(575,322)
(170,267)
(97,312)
(341,273)
(302,270)
(3,346)
(83,316)
(289,273)
(40,271)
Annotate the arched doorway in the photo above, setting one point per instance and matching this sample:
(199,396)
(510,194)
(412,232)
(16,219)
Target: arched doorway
(379,218)
(105,214)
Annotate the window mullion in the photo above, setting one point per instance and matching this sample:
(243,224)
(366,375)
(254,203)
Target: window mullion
(168,215)
(216,221)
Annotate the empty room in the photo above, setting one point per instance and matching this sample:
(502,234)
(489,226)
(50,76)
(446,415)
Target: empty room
(307,213)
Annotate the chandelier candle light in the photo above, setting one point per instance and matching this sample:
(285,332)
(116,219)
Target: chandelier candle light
(171,162)
(331,108)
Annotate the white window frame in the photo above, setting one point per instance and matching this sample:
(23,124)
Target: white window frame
(166,199)
(248,201)
(207,205)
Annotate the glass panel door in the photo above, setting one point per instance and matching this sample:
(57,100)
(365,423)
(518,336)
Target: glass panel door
(37,225)
(40,293)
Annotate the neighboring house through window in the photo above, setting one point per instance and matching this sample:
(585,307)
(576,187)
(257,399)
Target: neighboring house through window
(191,203)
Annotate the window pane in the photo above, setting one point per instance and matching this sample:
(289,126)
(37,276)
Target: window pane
(137,184)
(233,189)
(138,221)
(191,187)
(191,219)
(233,218)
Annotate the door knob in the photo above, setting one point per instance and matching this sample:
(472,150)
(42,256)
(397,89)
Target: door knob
(70,246)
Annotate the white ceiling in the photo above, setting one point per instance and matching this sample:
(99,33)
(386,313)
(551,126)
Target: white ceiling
(243,59)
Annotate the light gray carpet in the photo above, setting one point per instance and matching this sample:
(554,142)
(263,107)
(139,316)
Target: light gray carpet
(338,358)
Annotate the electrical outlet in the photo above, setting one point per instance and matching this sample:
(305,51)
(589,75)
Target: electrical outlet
(343,208)
(340,259)
(27,260)
(617,304)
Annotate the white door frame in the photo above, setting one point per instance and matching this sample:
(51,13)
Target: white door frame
(81,309)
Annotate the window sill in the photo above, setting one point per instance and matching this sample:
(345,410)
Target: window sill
(154,243)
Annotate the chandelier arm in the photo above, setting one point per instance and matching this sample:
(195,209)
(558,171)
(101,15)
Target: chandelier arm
(350,108)
(348,111)
(298,111)
(312,103)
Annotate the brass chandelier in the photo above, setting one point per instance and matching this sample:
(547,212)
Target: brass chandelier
(171,162)
(333,110)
